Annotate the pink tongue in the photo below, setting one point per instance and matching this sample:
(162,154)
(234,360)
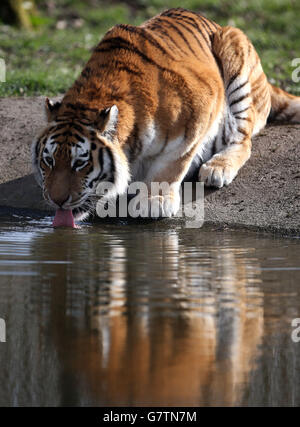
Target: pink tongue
(64,218)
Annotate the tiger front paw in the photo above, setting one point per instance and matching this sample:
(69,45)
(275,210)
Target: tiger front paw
(160,206)
(216,174)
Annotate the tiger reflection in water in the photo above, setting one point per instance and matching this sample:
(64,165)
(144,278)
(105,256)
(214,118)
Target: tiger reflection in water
(182,329)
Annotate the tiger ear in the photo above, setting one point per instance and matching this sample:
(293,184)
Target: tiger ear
(107,122)
(51,109)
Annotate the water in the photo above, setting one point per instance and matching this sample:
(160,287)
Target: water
(147,314)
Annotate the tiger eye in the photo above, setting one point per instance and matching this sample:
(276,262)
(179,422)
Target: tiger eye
(78,163)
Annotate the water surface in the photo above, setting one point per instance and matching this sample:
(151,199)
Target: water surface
(147,314)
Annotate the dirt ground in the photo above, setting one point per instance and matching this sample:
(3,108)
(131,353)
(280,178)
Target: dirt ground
(264,196)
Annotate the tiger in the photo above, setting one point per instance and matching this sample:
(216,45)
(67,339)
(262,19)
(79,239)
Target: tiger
(177,96)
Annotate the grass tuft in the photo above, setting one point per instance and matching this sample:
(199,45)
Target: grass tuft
(48,60)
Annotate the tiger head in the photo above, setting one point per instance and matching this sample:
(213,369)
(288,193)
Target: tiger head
(77,151)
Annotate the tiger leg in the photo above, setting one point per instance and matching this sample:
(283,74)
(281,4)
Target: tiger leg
(223,167)
(241,70)
(166,201)
(167,179)
(173,164)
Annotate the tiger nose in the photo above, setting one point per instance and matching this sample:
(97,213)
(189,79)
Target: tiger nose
(59,200)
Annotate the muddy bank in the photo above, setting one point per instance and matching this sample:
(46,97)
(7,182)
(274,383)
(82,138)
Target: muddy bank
(265,195)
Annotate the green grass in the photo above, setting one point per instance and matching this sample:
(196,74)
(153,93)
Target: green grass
(47,61)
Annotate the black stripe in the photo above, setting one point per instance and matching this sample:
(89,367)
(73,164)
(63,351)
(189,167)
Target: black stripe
(95,179)
(214,146)
(118,44)
(117,40)
(243,131)
(207,27)
(241,111)
(84,154)
(51,128)
(224,136)
(122,66)
(129,70)
(113,168)
(64,119)
(177,30)
(57,127)
(145,35)
(78,127)
(195,25)
(86,72)
(238,88)
(101,174)
(239,99)
(193,34)
(190,20)
(156,26)
(66,133)
(81,107)
(131,48)
(100,158)
(243,118)
(232,79)
(180,11)
(174,10)
(43,162)
(209,21)
(44,140)
(72,106)
(78,137)
(37,149)
(84,121)
(56,135)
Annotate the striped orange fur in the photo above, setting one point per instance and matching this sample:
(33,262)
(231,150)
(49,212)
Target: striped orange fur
(157,103)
